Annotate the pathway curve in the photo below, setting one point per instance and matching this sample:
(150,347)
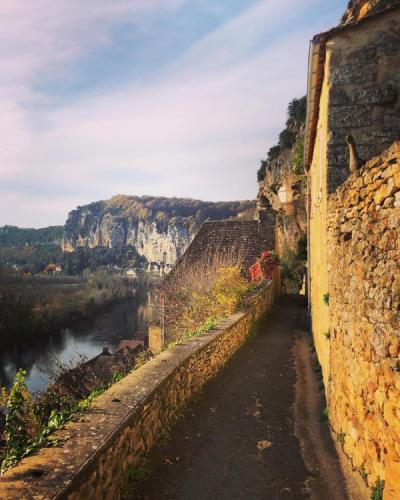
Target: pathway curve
(238,440)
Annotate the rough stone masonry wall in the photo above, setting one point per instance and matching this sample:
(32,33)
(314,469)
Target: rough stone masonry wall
(363,255)
(364,89)
(124,423)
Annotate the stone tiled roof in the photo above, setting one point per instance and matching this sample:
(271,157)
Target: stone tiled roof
(247,238)
(130,344)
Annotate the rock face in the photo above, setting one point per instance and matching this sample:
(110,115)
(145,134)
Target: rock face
(160,229)
(155,243)
(283,170)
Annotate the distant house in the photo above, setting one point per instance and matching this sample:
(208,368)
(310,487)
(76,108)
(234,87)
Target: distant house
(133,345)
(131,273)
(159,268)
(53,269)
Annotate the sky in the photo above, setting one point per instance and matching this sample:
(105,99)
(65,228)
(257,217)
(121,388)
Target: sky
(144,97)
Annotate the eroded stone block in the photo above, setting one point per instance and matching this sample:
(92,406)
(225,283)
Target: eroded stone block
(358,115)
(374,95)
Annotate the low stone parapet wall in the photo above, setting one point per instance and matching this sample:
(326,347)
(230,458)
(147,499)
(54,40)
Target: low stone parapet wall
(108,441)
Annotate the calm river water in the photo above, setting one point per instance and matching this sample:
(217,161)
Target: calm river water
(85,338)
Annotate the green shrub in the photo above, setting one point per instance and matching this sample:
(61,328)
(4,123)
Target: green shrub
(287,139)
(325,414)
(30,422)
(193,298)
(298,161)
(273,152)
(292,270)
(377,490)
(15,430)
(261,171)
(297,110)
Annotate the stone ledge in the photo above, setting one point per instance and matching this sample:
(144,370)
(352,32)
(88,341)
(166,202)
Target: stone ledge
(125,422)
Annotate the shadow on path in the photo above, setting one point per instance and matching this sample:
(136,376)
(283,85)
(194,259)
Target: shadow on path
(237,439)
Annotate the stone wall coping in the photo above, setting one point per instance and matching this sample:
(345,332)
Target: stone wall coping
(53,472)
(392,152)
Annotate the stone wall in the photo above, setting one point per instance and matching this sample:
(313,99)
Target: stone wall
(364,87)
(99,449)
(357,9)
(362,370)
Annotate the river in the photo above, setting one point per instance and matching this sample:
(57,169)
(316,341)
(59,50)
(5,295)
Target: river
(85,338)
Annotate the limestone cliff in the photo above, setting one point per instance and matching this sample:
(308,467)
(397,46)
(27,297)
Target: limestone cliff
(159,229)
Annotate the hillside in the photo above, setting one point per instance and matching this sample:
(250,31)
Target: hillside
(16,236)
(123,231)
(159,229)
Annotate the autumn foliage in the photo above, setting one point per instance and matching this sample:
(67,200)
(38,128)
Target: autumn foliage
(264,268)
(204,293)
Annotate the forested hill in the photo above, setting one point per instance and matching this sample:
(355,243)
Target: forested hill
(164,211)
(16,236)
(159,229)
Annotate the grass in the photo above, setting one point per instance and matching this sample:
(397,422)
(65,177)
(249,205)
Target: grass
(164,439)
(256,324)
(326,298)
(203,328)
(142,358)
(138,472)
(377,490)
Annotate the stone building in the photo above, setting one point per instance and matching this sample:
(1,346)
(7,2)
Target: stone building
(353,163)
(245,238)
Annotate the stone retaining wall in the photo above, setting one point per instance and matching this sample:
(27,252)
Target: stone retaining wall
(106,443)
(361,372)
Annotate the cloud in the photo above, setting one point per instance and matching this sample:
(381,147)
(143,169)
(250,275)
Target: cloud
(197,128)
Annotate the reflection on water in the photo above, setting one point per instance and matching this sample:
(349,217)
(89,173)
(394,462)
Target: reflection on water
(85,338)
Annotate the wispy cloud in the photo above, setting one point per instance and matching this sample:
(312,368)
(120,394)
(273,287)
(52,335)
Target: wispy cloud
(197,127)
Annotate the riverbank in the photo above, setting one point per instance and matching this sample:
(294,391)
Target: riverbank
(40,306)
